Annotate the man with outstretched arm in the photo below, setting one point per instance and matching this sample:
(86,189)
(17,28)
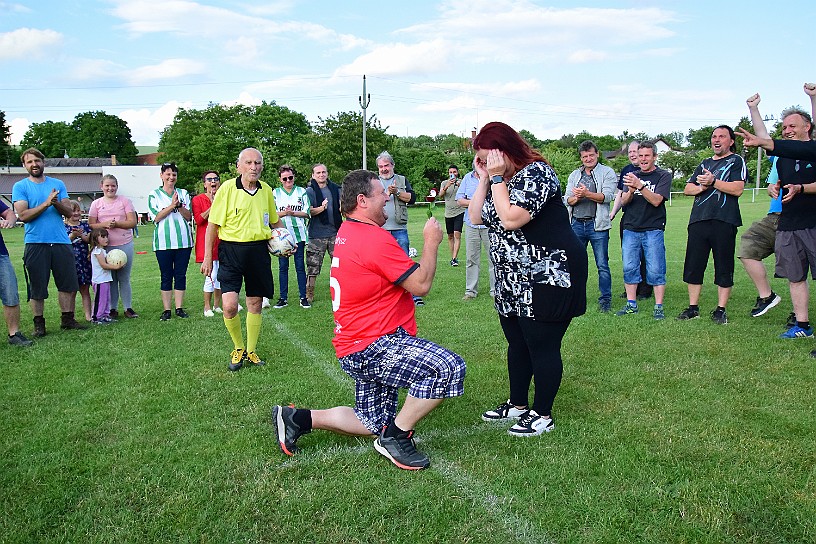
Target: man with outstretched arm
(372,284)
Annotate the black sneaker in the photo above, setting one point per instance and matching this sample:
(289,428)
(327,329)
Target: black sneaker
(418,301)
(504,411)
(688,313)
(18,339)
(764,304)
(304,303)
(130,313)
(791,323)
(114,312)
(286,429)
(166,315)
(281,303)
(402,451)
(532,424)
(181,313)
(719,317)
(454,262)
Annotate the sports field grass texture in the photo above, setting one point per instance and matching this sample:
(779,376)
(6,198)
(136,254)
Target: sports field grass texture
(665,431)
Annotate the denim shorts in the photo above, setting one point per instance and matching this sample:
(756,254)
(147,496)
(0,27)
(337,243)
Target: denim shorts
(9,293)
(654,250)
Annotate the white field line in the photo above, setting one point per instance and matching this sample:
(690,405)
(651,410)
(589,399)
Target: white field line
(517,528)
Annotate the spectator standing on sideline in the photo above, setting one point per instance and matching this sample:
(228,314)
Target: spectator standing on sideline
(400,194)
(172,239)
(454,212)
(117,215)
(589,191)
(716,185)
(201,212)
(644,223)
(475,239)
(41,202)
(372,282)
(324,211)
(293,210)
(9,293)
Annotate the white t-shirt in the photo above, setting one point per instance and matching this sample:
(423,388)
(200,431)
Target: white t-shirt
(100,275)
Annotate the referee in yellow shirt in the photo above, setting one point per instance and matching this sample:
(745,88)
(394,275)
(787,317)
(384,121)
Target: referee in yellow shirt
(243,215)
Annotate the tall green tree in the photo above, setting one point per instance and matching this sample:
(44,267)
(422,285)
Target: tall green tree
(52,138)
(700,139)
(98,134)
(212,138)
(337,142)
(5,136)
(90,134)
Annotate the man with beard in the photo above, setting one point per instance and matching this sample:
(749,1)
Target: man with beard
(372,282)
(41,202)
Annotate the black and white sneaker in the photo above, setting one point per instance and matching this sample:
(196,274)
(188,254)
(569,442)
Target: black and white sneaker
(505,410)
(402,451)
(286,429)
(764,304)
(304,303)
(281,303)
(532,424)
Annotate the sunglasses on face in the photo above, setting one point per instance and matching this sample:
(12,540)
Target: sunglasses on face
(212,179)
(287,178)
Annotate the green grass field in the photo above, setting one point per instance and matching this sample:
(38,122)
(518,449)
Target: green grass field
(666,431)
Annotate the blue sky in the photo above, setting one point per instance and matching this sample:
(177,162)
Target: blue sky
(432,67)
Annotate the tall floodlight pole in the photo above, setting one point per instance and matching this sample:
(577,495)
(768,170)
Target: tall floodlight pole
(364,105)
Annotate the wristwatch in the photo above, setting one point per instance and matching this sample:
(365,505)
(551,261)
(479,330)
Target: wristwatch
(496,179)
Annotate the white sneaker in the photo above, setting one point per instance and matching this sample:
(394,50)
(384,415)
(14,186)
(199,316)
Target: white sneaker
(265,303)
(505,410)
(219,311)
(240,308)
(532,424)
(209,313)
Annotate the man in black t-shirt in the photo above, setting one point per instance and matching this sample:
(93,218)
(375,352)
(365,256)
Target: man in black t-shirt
(644,221)
(716,184)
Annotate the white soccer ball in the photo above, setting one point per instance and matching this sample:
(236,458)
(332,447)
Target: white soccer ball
(116,256)
(282,243)
(412,252)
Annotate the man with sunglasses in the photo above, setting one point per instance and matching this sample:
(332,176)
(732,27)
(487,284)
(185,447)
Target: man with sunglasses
(201,213)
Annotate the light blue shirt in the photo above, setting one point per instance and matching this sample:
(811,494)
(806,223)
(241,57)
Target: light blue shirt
(48,227)
(773,179)
(469,185)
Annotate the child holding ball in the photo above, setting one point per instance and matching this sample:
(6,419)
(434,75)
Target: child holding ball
(102,278)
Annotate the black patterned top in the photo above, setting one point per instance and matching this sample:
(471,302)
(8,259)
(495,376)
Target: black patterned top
(541,268)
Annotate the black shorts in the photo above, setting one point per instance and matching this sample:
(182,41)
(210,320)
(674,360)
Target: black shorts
(714,237)
(42,260)
(248,263)
(454,224)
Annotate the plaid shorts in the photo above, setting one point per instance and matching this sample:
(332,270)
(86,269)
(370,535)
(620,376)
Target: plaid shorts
(395,361)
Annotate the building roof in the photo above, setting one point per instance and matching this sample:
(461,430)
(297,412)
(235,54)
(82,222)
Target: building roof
(84,182)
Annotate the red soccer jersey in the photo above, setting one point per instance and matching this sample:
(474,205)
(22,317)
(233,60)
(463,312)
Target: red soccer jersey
(367,299)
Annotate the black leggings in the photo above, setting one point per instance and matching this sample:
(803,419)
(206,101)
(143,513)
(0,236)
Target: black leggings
(534,351)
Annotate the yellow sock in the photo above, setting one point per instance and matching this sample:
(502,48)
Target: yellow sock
(234,330)
(253,330)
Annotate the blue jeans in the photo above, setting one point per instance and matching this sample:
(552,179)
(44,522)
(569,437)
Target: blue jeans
(401,237)
(654,252)
(585,231)
(300,270)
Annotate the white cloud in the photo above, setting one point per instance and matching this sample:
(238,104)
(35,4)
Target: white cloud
(27,42)
(6,7)
(166,69)
(587,55)
(17,129)
(399,59)
(509,88)
(455,104)
(94,70)
(245,99)
(146,125)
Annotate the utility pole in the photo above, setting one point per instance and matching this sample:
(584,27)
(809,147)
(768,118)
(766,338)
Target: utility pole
(759,152)
(364,105)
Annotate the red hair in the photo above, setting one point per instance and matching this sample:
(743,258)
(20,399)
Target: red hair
(497,135)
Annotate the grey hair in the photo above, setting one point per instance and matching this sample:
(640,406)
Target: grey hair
(793,110)
(385,155)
